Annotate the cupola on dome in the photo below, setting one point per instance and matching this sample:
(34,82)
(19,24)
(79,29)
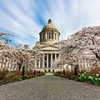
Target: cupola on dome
(49,25)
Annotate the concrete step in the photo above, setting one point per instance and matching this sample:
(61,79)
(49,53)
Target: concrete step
(48,74)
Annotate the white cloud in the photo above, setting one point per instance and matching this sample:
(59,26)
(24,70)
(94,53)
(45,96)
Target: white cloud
(22,17)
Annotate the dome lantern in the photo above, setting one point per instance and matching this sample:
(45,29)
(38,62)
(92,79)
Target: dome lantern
(49,21)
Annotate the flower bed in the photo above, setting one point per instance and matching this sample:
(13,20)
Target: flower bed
(92,77)
(86,77)
(13,76)
(66,74)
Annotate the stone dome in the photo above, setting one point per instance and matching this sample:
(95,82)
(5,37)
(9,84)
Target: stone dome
(49,34)
(49,25)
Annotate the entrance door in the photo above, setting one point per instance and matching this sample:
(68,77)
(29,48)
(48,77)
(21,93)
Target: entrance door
(49,71)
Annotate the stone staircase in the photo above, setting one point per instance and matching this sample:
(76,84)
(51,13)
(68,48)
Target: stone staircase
(48,74)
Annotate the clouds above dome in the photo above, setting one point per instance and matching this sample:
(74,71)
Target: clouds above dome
(25,18)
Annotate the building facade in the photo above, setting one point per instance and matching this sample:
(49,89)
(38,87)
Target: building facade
(48,48)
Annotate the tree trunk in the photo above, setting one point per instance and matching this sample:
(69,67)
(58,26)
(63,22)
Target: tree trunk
(76,71)
(23,72)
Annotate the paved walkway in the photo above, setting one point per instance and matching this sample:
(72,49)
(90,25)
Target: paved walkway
(49,88)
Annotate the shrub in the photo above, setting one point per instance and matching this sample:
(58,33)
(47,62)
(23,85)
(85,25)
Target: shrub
(17,78)
(66,73)
(9,75)
(29,73)
(83,77)
(17,72)
(58,73)
(94,71)
(69,73)
(2,74)
(94,80)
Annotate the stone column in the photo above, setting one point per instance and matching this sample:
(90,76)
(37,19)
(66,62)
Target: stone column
(11,66)
(55,57)
(47,59)
(89,64)
(8,64)
(43,61)
(3,64)
(56,36)
(51,59)
(46,36)
(35,63)
(50,35)
(53,36)
(39,62)
(85,65)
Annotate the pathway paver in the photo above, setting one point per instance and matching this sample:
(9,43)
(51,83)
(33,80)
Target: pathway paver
(49,88)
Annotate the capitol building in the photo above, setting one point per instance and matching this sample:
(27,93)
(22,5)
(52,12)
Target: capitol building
(48,48)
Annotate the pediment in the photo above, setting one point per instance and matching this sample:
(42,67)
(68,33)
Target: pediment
(50,47)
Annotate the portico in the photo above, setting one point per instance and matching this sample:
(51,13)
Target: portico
(47,60)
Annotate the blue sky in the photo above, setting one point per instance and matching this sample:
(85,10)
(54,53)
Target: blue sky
(25,18)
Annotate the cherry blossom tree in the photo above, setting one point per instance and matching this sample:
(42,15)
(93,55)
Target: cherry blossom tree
(22,55)
(87,39)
